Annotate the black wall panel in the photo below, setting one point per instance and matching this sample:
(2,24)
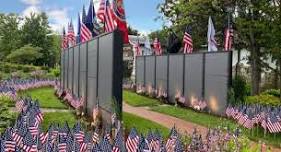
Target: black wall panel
(76,71)
(217,77)
(70,69)
(66,54)
(92,75)
(175,79)
(140,71)
(193,77)
(150,71)
(161,72)
(83,70)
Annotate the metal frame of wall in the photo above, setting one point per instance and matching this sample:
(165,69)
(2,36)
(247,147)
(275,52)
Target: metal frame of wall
(94,70)
(201,76)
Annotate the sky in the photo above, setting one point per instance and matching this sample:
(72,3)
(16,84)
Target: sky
(140,14)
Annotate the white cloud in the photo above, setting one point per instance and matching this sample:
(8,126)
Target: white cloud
(30,9)
(31,2)
(58,18)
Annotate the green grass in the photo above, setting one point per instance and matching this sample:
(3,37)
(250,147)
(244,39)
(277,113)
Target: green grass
(46,98)
(142,125)
(58,118)
(136,100)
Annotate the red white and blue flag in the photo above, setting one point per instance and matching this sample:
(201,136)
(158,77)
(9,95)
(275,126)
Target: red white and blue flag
(187,40)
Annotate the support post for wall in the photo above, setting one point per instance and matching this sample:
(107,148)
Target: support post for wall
(203,75)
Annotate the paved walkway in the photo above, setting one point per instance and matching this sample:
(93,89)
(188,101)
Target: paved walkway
(164,120)
(169,121)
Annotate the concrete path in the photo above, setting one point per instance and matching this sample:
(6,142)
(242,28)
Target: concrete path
(169,121)
(165,120)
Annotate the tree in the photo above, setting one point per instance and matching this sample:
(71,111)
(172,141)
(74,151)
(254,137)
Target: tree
(254,21)
(35,31)
(9,34)
(25,55)
(132,31)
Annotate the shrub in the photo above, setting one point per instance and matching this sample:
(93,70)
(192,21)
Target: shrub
(239,88)
(263,99)
(230,95)
(56,72)
(272,92)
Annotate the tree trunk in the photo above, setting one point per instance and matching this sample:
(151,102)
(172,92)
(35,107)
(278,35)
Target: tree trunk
(237,68)
(255,70)
(280,78)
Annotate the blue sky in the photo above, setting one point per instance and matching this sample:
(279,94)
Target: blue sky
(140,13)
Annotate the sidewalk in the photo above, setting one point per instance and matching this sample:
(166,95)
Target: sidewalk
(169,121)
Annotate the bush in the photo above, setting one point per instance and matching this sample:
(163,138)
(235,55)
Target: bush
(263,99)
(239,85)
(56,72)
(272,92)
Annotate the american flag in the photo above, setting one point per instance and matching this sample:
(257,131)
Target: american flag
(132,141)
(105,145)
(62,146)
(178,146)
(108,18)
(157,47)
(78,132)
(86,33)
(9,143)
(71,35)
(29,144)
(143,145)
(150,140)
(100,12)
(97,148)
(20,104)
(187,40)
(228,38)
(171,142)
(137,49)
(273,124)
(33,129)
(64,40)
(118,143)
(96,136)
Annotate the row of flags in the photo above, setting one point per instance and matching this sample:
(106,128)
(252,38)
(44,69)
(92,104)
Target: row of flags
(160,93)
(9,88)
(27,135)
(250,116)
(111,17)
(188,41)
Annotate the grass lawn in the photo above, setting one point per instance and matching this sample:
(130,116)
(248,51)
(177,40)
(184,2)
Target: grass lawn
(136,100)
(46,98)
(143,125)
(58,118)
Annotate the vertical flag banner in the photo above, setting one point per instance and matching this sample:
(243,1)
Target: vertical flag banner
(86,34)
(71,34)
(108,18)
(212,44)
(187,41)
(78,39)
(228,38)
(100,12)
(157,47)
(91,22)
(64,40)
(120,19)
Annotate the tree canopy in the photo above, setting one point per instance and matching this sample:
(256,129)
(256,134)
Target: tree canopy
(256,27)
(33,31)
